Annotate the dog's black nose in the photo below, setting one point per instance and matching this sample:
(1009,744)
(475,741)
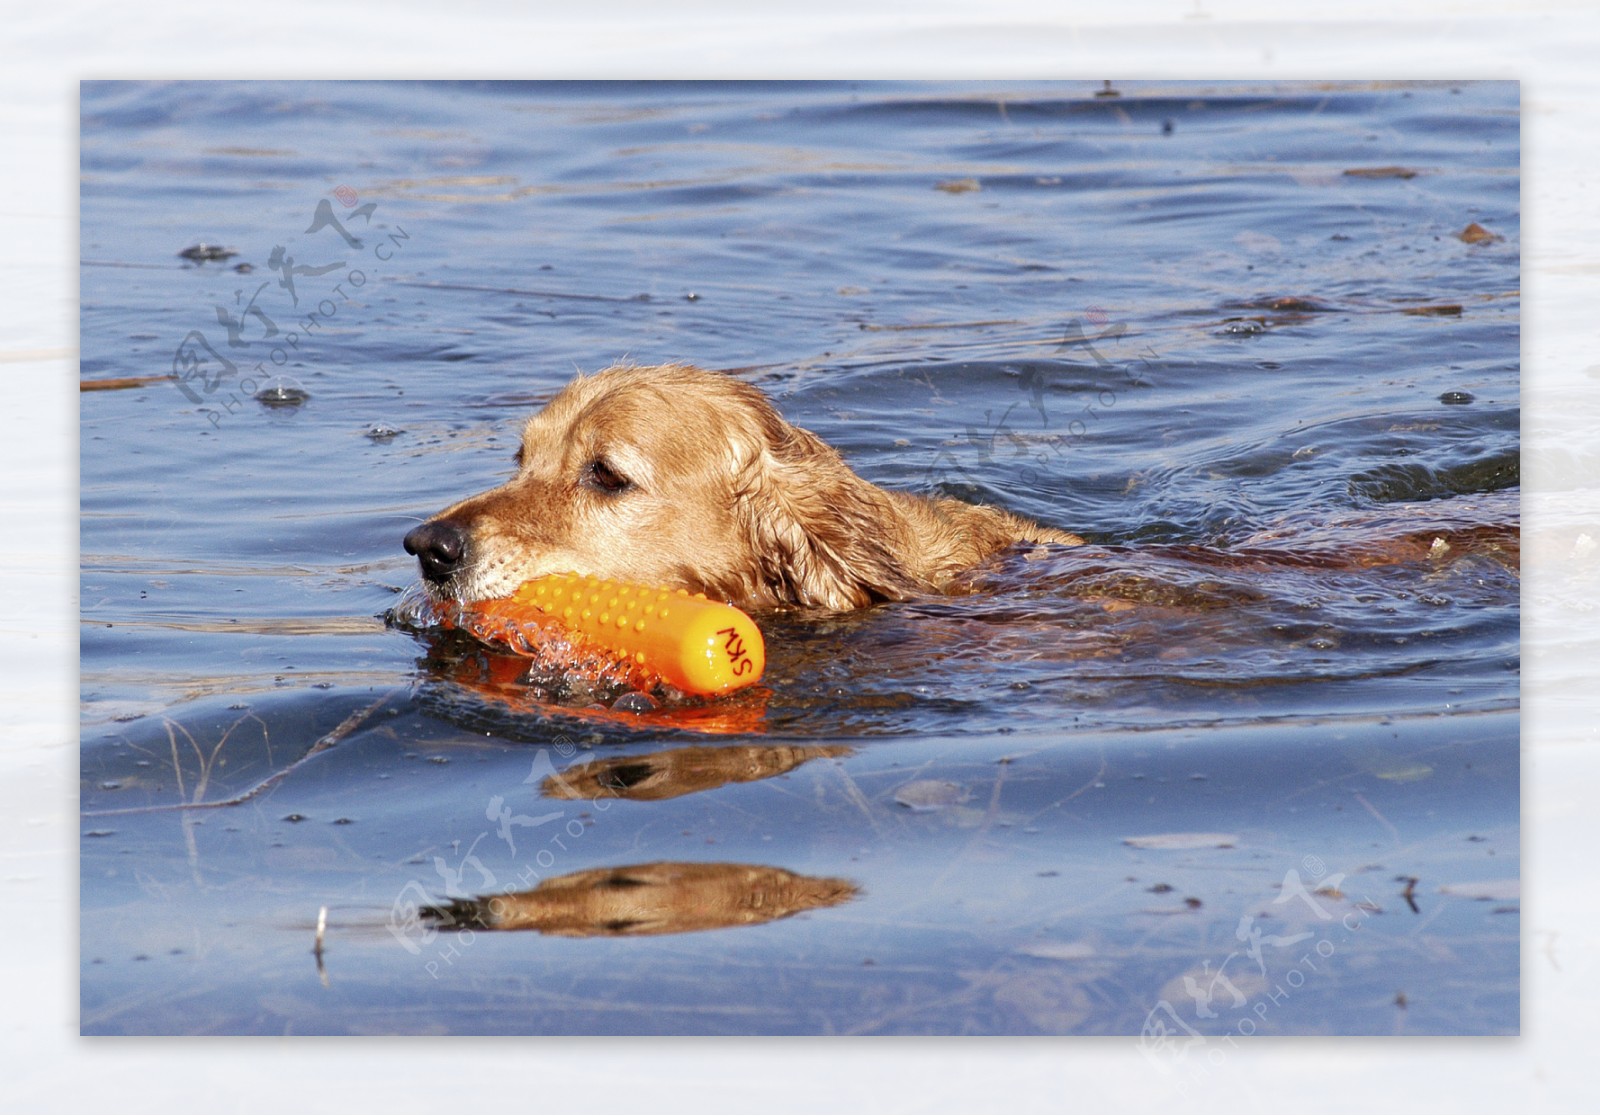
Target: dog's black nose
(439,546)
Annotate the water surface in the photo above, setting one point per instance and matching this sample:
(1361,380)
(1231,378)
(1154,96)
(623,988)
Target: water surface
(1246,763)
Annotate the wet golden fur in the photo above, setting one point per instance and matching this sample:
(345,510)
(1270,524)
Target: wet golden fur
(671,475)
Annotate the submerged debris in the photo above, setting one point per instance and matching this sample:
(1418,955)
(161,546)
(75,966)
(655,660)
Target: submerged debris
(120,383)
(931,794)
(1183,841)
(1475,233)
(1380,172)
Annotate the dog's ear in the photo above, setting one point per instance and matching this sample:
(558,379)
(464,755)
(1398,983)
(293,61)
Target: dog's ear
(819,535)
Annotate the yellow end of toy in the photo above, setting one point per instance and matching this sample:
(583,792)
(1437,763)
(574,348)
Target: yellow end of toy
(698,645)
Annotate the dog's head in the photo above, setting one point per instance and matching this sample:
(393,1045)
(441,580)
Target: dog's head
(670,475)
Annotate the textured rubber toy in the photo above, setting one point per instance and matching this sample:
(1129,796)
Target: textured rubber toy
(698,645)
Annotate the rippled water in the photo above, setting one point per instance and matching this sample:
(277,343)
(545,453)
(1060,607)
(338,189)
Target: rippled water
(1280,400)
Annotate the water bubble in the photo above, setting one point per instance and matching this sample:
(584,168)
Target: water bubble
(207,253)
(1242,327)
(634,702)
(282,392)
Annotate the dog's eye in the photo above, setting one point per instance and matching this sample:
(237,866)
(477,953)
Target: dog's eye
(606,479)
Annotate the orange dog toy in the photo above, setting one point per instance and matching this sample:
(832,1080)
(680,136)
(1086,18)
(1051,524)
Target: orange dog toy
(699,646)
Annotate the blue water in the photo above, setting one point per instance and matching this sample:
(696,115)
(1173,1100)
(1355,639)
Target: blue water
(1167,320)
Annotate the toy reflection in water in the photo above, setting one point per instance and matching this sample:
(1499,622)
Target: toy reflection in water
(680,771)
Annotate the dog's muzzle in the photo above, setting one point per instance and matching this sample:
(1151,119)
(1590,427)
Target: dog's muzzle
(439,546)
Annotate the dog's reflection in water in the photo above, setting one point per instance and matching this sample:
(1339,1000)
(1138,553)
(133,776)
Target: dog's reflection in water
(664,897)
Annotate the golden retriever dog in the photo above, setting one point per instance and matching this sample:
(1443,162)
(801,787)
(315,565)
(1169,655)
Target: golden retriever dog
(674,476)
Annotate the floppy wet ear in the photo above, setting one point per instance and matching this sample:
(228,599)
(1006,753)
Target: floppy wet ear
(819,534)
